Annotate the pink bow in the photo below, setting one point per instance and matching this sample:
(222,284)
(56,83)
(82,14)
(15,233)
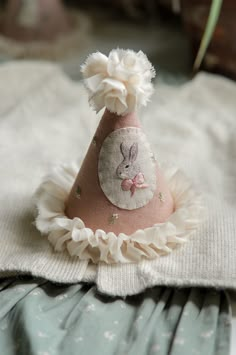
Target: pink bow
(132,184)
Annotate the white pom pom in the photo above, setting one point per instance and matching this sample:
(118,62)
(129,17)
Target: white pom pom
(121,82)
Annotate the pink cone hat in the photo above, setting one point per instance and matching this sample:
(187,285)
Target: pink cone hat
(120,187)
(35,20)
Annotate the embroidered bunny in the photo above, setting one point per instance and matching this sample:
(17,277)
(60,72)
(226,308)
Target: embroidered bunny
(129,170)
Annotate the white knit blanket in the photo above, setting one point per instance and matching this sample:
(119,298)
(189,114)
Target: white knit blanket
(45,120)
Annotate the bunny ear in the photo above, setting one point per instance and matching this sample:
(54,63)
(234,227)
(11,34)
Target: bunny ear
(133,152)
(124,150)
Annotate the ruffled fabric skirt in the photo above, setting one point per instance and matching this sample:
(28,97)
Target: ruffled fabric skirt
(38,317)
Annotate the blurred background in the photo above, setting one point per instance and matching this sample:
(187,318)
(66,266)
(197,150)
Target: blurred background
(168,31)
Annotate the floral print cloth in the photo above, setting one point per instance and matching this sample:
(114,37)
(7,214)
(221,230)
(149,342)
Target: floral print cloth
(38,317)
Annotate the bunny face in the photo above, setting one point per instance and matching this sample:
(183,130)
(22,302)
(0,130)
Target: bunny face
(128,168)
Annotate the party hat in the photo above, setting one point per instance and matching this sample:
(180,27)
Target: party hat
(120,187)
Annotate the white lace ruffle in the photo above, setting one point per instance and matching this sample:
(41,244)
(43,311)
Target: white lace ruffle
(72,235)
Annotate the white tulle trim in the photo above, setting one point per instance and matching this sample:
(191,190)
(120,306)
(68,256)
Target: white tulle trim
(72,235)
(121,82)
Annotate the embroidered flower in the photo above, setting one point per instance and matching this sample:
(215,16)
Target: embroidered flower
(121,82)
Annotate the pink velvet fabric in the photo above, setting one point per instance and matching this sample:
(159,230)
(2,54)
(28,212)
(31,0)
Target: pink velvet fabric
(94,208)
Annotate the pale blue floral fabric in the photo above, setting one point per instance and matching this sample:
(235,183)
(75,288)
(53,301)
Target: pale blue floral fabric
(41,318)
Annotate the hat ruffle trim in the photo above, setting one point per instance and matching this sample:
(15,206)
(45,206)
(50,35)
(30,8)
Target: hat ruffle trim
(98,246)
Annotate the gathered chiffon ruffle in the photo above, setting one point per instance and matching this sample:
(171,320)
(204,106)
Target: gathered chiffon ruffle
(98,246)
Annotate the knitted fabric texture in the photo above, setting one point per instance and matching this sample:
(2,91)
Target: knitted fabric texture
(44,121)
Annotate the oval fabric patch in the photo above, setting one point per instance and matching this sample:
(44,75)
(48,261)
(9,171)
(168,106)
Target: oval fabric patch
(127,168)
